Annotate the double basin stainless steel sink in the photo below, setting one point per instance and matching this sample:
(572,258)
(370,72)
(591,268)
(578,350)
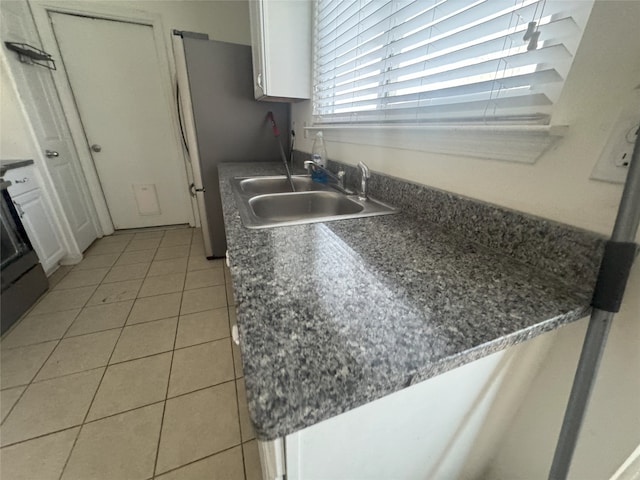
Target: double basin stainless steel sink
(266,202)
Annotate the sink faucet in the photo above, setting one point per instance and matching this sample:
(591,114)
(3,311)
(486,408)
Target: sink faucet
(338,178)
(365,174)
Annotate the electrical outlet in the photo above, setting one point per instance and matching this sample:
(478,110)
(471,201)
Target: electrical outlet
(616,156)
(306,132)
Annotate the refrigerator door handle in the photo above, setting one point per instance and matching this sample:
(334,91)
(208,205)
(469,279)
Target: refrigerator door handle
(193,190)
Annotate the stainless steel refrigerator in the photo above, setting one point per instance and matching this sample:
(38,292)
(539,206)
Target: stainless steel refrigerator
(229,124)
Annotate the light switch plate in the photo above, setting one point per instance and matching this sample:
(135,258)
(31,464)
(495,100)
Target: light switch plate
(615,158)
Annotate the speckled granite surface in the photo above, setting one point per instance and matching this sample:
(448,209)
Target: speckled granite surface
(334,315)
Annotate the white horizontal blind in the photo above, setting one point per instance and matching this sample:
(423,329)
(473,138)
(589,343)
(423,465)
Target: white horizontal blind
(406,61)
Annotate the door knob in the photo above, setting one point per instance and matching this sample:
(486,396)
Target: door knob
(96,148)
(51,153)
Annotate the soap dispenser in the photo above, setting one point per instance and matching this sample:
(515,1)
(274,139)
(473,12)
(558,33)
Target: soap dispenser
(319,156)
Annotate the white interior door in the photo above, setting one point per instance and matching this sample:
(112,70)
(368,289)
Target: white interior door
(116,79)
(46,116)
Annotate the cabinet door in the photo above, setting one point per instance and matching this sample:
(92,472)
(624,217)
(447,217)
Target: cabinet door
(281,43)
(257,48)
(38,223)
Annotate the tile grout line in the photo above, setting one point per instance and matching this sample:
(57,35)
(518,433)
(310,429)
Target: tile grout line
(99,305)
(122,361)
(37,382)
(233,359)
(64,275)
(54,348)
(88,422)
(75,441)
(235,384)
(72,323)
(95,393)
(104,282)
(38,371)
(27,314)
(200,459)
(114,363)
(20,442)
(111,415)
(191,248)
(234,380)
(32,381)
(166,394)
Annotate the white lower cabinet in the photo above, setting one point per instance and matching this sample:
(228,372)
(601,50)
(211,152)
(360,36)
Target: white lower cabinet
(38,222)
(446,427)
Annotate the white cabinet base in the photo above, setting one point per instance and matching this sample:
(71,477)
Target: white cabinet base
(446,427)
(37,220)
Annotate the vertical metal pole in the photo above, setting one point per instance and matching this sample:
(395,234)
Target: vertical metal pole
(625,229)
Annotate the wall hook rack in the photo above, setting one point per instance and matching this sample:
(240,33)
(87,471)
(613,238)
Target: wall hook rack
(32,55)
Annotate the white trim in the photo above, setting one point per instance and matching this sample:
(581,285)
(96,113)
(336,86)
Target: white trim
(71,259)
(272,459)
(512,143)
(40,10)
(630,469)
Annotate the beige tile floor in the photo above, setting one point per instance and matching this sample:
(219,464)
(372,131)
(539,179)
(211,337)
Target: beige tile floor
(126,369)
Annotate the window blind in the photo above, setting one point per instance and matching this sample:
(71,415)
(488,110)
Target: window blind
(399,61)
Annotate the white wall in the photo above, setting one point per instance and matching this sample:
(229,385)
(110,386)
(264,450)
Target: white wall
(221,20)
(605,71)
(15,142)
(612,427)
(226,21)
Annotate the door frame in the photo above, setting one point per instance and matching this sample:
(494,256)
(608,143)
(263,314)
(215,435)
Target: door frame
(40,10)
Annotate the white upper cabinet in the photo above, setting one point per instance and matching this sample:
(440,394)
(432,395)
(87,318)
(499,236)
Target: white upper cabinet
(281,44)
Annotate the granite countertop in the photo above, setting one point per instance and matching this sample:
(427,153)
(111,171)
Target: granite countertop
(10,164)
(334,315)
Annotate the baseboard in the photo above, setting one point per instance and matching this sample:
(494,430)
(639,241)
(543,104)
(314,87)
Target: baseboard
(71,259)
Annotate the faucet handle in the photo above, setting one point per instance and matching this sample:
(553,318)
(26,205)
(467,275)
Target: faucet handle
(308,165)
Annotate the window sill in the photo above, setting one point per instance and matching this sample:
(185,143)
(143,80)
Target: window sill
(512,143)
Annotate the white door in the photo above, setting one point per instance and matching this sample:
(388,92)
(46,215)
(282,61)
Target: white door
(115,76)
(45,113)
